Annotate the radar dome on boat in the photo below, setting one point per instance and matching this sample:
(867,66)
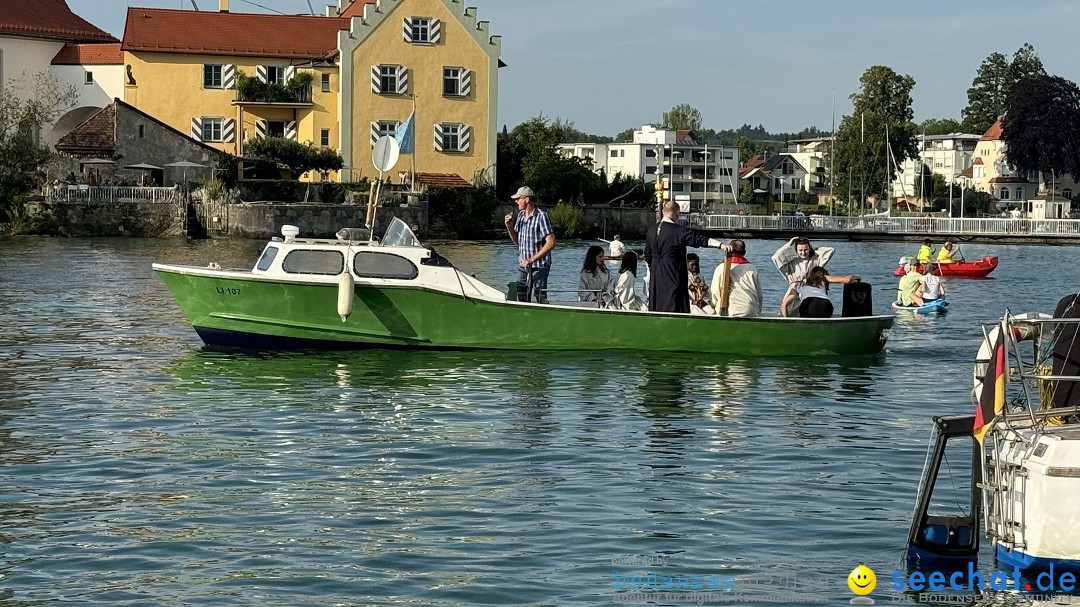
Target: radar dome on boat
(289,232)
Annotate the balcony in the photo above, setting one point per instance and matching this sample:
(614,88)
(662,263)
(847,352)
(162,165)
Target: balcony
(254,92)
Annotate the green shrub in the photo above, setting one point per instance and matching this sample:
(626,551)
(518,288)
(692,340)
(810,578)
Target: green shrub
(567,220)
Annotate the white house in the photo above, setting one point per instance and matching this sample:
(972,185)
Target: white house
(32,33)
(991,173)
(97,73)
(945,155)
(699,175)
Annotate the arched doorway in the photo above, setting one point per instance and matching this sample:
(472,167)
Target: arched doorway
(69,121)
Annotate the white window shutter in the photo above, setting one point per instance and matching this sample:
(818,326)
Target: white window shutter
(407,30)
(228,130)
(438,138)
(376,80)
(464,138)
(374,132)
(228,75)
(290,71)
(466,82)
(436,31)
(261,128)
(402,80)
(260,72)
(196,129)
(290,130)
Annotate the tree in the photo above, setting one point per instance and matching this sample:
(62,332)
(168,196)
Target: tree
(27,103)
(883,104)
(624,136)
(940,126)
(683,117)
(1041,127)
(298,158)
(993,81)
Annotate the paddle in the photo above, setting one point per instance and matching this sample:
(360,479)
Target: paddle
(725,286)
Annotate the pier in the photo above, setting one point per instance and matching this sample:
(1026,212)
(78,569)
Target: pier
(876,227)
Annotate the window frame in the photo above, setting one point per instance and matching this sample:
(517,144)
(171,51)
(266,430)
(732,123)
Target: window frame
(266,260)
(415,271)
(455,79)
(324,138)
(388,127)
(210,122)
(287,270)
(446,127)
(88,77)
(277,70)
(388,74)
(208,76)
(421,25)
(325,83)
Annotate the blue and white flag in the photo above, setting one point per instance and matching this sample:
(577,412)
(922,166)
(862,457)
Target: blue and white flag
(406,135)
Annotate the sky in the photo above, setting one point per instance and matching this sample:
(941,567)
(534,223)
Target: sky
(609,65)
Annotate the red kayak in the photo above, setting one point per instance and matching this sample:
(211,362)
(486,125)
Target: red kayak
(960,269)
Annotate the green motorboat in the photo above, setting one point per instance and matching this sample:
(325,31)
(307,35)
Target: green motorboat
(398,293)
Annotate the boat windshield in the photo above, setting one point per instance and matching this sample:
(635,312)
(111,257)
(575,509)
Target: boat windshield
(399,235)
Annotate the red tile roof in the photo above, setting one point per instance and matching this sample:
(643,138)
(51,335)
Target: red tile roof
(96,133)
(356,9)
(50,19)
(90,54)
(968,172)
(977,160)
(993,133)
(239,34)
(1009,180)
(444,180)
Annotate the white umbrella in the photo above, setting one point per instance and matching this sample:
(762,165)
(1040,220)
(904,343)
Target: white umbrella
(97,161)
(185,164)
(143,167)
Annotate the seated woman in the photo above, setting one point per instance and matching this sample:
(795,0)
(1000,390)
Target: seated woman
(626,296)
(594,281)
(932,289)
(813,295)
(909,291)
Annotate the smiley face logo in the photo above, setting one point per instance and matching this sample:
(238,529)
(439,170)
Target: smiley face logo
(862,580)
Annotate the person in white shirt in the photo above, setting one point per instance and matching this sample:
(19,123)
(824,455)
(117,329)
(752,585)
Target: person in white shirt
(594,280)
(744,288)
(616,248)
(795,259)
(626,296)
(813,296)
(932,287)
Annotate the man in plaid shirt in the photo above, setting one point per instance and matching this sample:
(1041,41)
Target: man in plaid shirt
(535,239)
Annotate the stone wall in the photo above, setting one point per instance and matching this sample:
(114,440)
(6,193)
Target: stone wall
(262,220)
(140,219)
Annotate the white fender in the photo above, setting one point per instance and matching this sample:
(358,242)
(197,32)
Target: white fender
(986,348)
(345,295)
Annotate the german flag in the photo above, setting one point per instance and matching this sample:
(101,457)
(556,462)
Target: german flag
(992,393)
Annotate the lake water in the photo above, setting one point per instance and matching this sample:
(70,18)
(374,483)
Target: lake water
(138,469)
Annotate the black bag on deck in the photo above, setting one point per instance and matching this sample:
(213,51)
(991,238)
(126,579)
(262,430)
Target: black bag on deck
(858,300)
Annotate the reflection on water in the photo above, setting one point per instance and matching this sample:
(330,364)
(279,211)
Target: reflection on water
(140,469)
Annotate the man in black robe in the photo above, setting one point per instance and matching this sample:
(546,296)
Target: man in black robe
(665,252)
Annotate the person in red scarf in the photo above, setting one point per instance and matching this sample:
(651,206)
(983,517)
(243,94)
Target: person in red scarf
(745,296)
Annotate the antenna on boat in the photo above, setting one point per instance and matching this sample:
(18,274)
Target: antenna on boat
(383,156)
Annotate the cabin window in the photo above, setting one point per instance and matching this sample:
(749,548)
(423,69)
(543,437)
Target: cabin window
(383,265)
(267,259)
(306,261)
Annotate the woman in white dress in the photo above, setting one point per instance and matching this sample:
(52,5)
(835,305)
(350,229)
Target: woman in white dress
(594,281)
(625,293)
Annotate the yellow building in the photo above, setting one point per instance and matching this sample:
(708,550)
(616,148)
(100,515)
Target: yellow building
(227,77)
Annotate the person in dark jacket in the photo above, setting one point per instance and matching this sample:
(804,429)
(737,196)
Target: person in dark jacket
(665,252)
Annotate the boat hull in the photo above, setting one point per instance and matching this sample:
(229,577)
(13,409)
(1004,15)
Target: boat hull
(979,268)
(243,311)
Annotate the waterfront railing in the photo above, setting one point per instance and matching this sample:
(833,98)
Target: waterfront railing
(894,225)
(107,194)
